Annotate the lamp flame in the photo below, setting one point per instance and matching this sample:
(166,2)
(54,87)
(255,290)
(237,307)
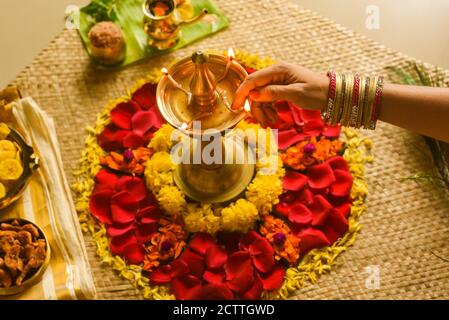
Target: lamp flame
(247,106)
(164,71)
(231,54)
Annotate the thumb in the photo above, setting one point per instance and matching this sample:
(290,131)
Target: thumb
(274,92)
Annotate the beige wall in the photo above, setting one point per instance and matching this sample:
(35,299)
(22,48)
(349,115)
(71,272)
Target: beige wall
(416,27)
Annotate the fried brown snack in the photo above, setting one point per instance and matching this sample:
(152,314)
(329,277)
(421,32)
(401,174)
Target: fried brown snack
(5,279)
(2,263)
(24,238)
(35,254)
(12,258)
(14,227)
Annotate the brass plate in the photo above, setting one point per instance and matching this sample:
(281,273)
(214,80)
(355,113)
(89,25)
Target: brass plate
(30,162)
(37,276)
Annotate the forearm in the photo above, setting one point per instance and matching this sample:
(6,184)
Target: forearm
(423,110)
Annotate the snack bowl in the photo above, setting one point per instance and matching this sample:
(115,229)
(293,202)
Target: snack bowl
(29,162)
(35,274)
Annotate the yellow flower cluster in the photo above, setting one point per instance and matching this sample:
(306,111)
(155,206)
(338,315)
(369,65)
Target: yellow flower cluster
(262,193)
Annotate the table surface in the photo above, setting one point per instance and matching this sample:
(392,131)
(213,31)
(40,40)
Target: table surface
(406,226)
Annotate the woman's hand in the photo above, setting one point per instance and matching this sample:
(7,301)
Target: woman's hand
(283,81)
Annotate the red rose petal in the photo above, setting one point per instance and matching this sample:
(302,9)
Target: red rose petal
(310,115)
(134,254)
(149,215)
(112,138)
(294,181)
(249,70)
(311,239)
(145,96)
(273,279)
(338,163)
(230,240)
(134,185)
(320,209)
(179,268)
(331,131)
(313,127)
(186,287)
(288,137)
(263,254)
(322,192)
(320,176)
(133,140)
(306,197)
(201,242)
(121,115)
(336,226)
(248,239)
(106,179)
(194,261)
(342,185)
(216,292)
(243,281)
(236,263)
(296,113)
(144,232)
(214,276)
(161,275)
(100,206)
(285,117)
(255,291)
(117,230)
(143,121)
(215,257)
(123,207)
(118,244)
(344,209)
(283,209)
(300,214)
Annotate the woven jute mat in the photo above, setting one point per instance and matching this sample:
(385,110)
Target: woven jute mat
(405,233)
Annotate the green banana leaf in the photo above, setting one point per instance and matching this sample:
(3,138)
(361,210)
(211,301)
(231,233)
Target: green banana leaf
(128,14)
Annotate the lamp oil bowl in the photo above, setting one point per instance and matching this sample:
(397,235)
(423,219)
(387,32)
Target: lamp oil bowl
(195,96)
(162,23)
(25,154)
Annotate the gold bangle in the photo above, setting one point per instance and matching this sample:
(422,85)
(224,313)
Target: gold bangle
(338,97)
(359,120)
(349,91)
(371,94)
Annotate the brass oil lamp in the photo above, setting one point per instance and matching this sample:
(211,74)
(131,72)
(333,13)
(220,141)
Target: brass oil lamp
(199,90)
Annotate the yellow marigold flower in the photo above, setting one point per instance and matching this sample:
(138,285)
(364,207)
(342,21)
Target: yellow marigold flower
(239,216)
(171,199)
(264,192)
(161,140)
(201,219)
(160,162)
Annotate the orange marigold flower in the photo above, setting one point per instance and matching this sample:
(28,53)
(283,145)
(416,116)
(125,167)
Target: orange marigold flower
(278,233)
(131,161)
(166,244)
(310,152)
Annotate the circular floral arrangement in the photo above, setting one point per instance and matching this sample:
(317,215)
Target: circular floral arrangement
(288,226)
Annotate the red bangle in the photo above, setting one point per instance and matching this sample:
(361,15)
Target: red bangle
(377,103)
(331,95)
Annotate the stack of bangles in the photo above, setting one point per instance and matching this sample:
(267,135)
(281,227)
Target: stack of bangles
(353,100)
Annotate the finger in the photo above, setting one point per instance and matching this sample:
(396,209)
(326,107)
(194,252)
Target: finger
(258,114)
(274,92)
(259,78)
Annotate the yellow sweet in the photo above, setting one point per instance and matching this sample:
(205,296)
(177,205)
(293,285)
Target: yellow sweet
(2,191)
(10,169)
(4,131)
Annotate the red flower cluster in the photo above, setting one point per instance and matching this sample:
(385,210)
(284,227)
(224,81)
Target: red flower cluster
(318,204)
(129,212)
(296,124)
(241,268)
(132,122)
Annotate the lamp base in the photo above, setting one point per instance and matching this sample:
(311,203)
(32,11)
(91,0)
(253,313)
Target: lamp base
(218,183)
